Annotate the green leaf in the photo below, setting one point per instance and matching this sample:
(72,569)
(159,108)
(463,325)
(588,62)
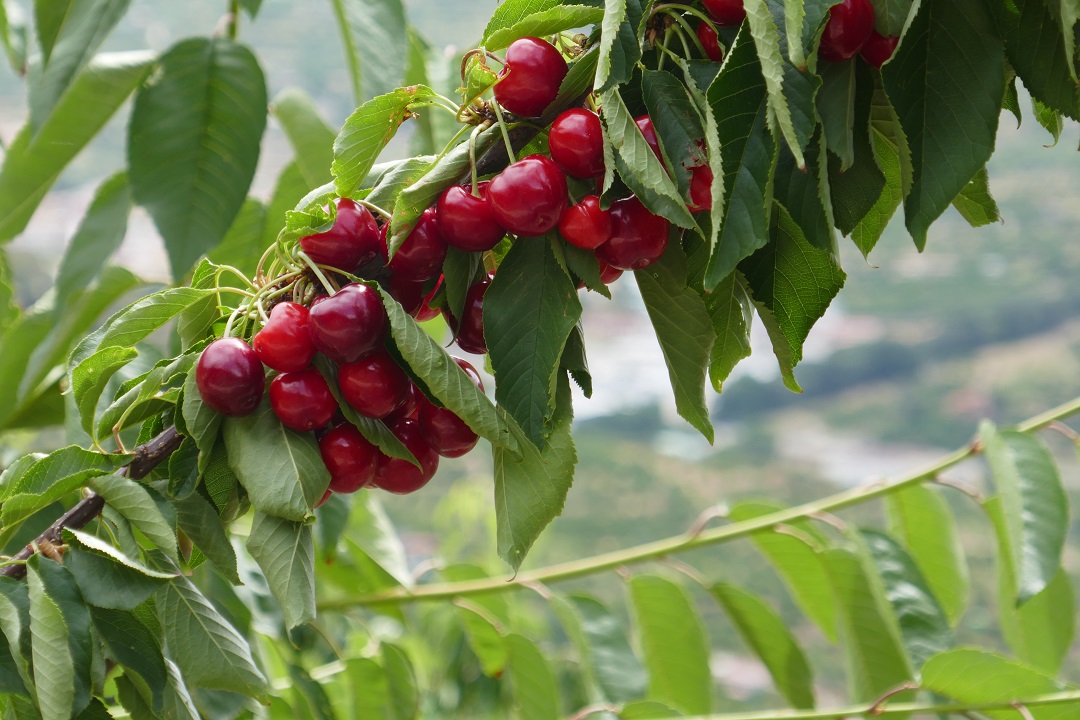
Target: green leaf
(209,651)
(15,622)
(200,522)
(836,106)
(938,554)
(370,530)
(54,669)
(764,631)
(890,15)
(281,470)
(289,189)
(546,22)
(13,35)
(133,646)
(483,632)
(677,124)
(62,590)
(311,138)
(1039,53)
(975,203)
(512,12)
(804,194)
(401,680)
(33,162)
(947,81)
(202,422)
(731,311)
(193,144)
(285,552)
(575,362)
(145,395)
(135,503)
(684,330)
(1034,503)
(385,194)
(108,578)
(894,160)
(648,710)
(857,190)
(674,643)
(607,658)
(1051,120)
(373,33)
(532,681)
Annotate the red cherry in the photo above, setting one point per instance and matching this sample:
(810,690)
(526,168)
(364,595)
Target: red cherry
(576,142)
(352,240)
(638,238)
(701,178)
(528,197)
(401,476)
(707,35)
(645,125)
(407,292)
(447,432)
(608,274)
(374,386)
(350,458)
(302,400)
(284,343)
(725,12)
(230,377)
(466,220)
(470,331)
(421,255)
(349,324)
(427,312)
(878,49)
(585,224)
(849,27)
(531,76)
(409,408)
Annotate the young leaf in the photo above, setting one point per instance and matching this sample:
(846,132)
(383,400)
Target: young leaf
(975,203)
(511,12)
(54,670)
(133,646)
(108,578)
(731,311)
(311,138)
(544,23)
(606,655)
(134,502)
(373,32)
(285,552)
(532,681)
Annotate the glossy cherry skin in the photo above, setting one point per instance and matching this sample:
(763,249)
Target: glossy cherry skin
(302,400)
(576,143)
(349,324)
(645,125)
(608,274)
(284,343)
(401,476)
(230,377)
(701,178)
(849,27)
(409,408)
(469,332)
(421,255)
(374,386)
(725,12)
(352,240)
(638,238)
(466,221)
(350,458)
(529,197)
(878,49)
(585,225)
(447,432)
(530,78)
(707,35)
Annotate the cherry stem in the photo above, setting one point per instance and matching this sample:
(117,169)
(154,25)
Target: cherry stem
(234,19)
(668,7)
(685,26)
(472,160)
(505,134)
(373,207)
(327,285)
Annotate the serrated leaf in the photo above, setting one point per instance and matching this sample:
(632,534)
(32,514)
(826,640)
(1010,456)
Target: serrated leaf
(108,578)
(576,363)
(200,522)
(135,503)
(15,623)
(373,33)
(890,15)
(894,160)
(54,670)
(836,106)
(767,40)
(484,636)
(511,12)
(133,646)
(202,422)
(677,124)
(61,589)
(731,312)
(386,192)
(285,552)
(145,395)
(543,23)
(532,681)
(1039,53)
(1051,120)
(975,203)
(311,138)
(857,191)
(607,658)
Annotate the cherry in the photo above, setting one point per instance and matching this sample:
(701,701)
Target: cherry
(638,238)
(585,225)
(284,343)
(302,400)
(427,312)
(470,331)
(466,221)
(576,142)
(421,255)
(374,386)
(350,458)
(528,197)
(448,433)
(349,324)
(849,27)
(230,377)
(707,35)
(725,12)
(701,178)
(645,125)
(470,371)
(608,274)
(530,78)
(401,476)
(352,240)
(409,408)
(878,49)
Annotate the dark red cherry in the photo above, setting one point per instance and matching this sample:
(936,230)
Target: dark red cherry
(230,377)
(725,12)
(349,324)
(466,221)
(407,292)
(427,312)
(576,142)
(878,49)
(284,343)
(374,386)
(470,371)
(302,400)
(701,178)
(409,408)
(608,274)
(352,240)
(447,432)
(401,476)
(849,27)
(350,458)
(421,255)
(585,224)
(530,78)
(707,35)
(470,331)
(645,125)
(638,238)
(528,197)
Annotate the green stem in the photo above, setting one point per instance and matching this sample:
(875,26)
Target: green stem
(687,541)
(505,134)
(234,18)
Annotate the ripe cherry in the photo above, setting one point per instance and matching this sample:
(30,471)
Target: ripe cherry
(585,225)
(645,125)
(849,27)
(401,476)
(530,78)
(448,433)
(350,458)
(302,400)
(608,274)
(470,331)
(409,408)
(374,386)
(230,377)
(878,49)
(707,35)
(528,197)
(421,255)
(638,238)
(576,142)
(725,12)
(466,221)
(701,178)
(284,343)
(349,324)
(352,240)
